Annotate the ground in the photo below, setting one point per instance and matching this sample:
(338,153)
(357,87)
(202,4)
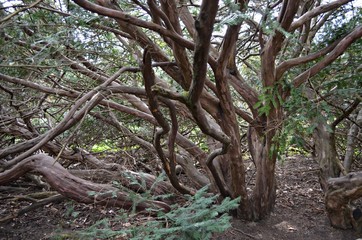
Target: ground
(299,212)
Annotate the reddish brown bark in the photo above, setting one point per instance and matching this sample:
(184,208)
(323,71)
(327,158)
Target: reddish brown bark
(340,193)
(76,188)
(213,101)
(264,194)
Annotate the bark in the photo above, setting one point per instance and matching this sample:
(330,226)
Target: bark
(340,193)
(72,117)
(264,194)
(169,164)
(77,188)
(326,154)
(184,159)
(352,134)
(232,163)
(317,11)
(261,139)
(203,96)
(116,14)
(339,49)
(135,181)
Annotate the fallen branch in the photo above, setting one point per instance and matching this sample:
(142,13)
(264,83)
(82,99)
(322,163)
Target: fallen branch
(244,233)
(77,188)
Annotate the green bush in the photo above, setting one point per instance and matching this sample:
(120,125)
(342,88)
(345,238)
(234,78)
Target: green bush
(199,218)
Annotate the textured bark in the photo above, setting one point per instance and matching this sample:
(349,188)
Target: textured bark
(264,194)
(326,154)
(76,188)
(169,162)
(352,134)
(199,71)
(135,181)
(232,163)
(340,193)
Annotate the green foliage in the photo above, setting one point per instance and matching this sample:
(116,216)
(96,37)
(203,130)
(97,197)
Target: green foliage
(341,23)
(234,16)
(105,146)
(269,99)
(198,219)
(334,88)
(70,210)
(299,124)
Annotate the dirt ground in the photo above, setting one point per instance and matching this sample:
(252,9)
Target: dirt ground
(299,212)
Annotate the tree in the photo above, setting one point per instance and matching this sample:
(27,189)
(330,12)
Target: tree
(331,99)
(216,67)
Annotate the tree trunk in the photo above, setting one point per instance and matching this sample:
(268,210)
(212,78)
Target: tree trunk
(352,134)
(340,193)
(326,154)
(264,193)
(76,188)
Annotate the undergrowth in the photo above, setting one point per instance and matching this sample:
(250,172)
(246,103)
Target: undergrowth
(199,218)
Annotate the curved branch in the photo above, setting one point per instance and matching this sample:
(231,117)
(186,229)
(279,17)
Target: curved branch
(288,64)
(274,44)
(317,11)
(204,26)
(102,10)
(170,8)
(76,188)
(75,95)
(169,166)
(93,97)
(19,11)
(337,51)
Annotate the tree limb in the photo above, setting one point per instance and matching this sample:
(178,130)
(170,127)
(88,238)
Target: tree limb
(168,165)
(76,188)
(101,9)
(315,12)
(333,55)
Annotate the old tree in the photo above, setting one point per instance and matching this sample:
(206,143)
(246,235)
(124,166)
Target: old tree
(196,84)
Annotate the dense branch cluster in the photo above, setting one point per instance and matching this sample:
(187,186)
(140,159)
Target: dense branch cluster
(168,84)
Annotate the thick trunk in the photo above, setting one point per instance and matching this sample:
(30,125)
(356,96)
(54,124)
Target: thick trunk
(238,184)
(352,134)
(264,193)
(340,193)
(326,154)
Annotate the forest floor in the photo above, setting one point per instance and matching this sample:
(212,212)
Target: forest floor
(299,212)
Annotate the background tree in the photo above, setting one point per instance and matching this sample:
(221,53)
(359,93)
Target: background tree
(163,72)
(331,123)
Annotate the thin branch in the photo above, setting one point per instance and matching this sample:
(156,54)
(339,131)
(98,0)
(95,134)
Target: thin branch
(288,64)
(103,10)
(315,12)
(332,56)
(19,11)
(75,95)
(346,113)
(93,97)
